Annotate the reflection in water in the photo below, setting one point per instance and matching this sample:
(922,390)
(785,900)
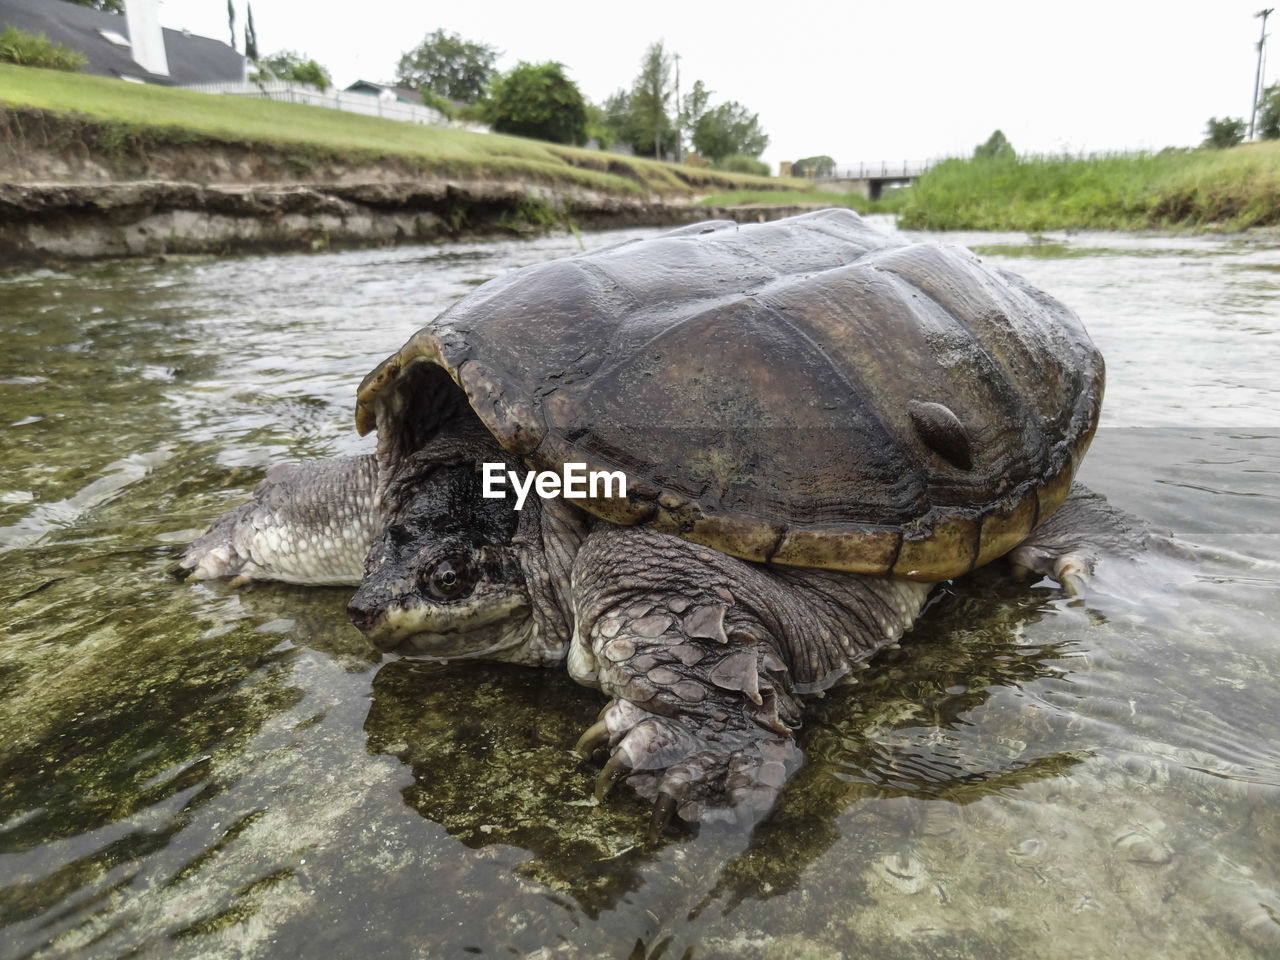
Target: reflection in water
(195,771)
(487,747)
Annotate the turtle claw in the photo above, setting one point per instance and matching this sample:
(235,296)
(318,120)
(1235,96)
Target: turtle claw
(597,736)
(691,767)
(616,767)
(1072,571)
(664,811)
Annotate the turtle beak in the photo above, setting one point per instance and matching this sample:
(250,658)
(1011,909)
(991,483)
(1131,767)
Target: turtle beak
(364,619)
(371,621)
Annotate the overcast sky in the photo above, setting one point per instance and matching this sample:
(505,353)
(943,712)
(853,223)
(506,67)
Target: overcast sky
(857,80)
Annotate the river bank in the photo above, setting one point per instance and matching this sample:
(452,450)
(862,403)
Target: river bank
(1176,189)
(92,167)
(97,168)
(74,187)
(52,221)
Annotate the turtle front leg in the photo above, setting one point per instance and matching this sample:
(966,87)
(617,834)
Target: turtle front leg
(705,657)
(702,727)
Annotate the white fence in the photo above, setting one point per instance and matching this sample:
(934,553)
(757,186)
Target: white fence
(334,99)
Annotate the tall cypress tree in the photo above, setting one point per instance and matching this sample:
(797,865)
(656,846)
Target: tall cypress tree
(250,36)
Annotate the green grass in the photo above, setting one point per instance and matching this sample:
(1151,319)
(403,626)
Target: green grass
(1224,189)
(891,202)
(132,116)
(1202,189)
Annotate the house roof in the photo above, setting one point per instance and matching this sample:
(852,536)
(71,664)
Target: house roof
(192,59)
(403,94)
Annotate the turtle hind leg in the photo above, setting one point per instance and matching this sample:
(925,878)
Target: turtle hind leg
(1084,530)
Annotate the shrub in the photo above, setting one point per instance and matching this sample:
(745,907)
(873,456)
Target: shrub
(819,166)
(1224,133)
(437,102)
(1269,113)
(997,147)
(294,68)
(35,50)
(538,100)
(741,163)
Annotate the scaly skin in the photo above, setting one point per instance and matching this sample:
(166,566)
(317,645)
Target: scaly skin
(706,657)
(307,523)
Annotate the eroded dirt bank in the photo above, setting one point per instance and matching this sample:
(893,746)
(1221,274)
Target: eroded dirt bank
(76,221)
(71,190)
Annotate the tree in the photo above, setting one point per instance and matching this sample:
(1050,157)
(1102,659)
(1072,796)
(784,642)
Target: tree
(110,6)
(997,147)
(598,125)
(452,67)
(649,97)
(231,22)
(1269,113)
(693,107)
(618,118)
(293,67)
(539,101)
(250,37)
(1224,133)
(819,166)
(727,130)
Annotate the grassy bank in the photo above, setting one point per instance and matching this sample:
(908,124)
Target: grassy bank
(132,117)
(1177,189)
(117,123)
(892,202)
(1224,189)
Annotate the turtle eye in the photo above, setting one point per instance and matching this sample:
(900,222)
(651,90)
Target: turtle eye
(451,579)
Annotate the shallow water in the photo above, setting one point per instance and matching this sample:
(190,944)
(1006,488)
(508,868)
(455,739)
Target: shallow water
(198,771)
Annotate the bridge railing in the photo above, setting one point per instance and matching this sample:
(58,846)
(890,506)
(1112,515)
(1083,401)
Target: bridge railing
(876,169)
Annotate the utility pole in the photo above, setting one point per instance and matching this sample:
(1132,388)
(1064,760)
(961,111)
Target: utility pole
(1257,77)
(679,131)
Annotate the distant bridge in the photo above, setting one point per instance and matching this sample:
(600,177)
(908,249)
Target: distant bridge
(870,179)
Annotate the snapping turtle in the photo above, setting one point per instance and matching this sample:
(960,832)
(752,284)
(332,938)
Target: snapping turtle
(814,422)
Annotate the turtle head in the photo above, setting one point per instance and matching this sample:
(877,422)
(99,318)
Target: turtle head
(443,578)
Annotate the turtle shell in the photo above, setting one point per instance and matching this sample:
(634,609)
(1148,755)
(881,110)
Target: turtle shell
(808,391)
